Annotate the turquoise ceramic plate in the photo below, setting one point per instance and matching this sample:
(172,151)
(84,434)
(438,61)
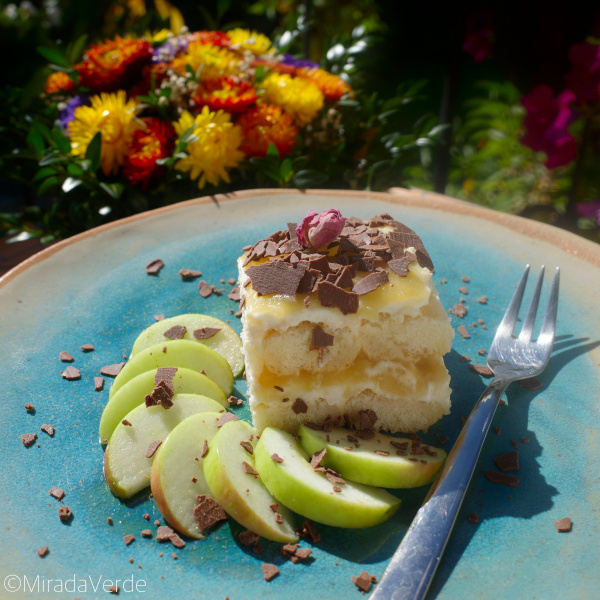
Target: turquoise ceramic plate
(94,289)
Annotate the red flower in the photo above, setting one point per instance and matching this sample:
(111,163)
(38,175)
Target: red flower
(216,38)
(225,93)
(264,125)
(113,64)
(146,147)
(547,122)
(584,77)
(317,230)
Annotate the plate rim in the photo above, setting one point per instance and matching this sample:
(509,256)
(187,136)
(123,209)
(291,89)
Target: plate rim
(570,243)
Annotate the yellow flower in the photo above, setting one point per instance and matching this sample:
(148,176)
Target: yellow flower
(114,116)
(299,97)
(256,42)
(159,36)
(215,62)
(216,148)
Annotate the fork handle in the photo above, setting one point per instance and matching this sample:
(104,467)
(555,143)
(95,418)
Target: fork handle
(411,569)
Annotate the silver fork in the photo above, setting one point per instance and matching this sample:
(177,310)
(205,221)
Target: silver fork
(409,573)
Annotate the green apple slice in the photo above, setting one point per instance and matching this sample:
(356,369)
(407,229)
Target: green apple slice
(177,353)
(132,394)
(126,467)
(226,342)
(368,463)
(295,483)
(177,476)
(243,495)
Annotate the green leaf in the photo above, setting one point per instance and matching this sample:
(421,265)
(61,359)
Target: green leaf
(114,190)
(35,142)
(267,166)
(61,141)
(94,152)
(309,178)
(75,170)
(286,170)
(42,129)
(70,183)
(47,184)
(53,56)
(75,50)
(51,157)
(272,151)
(43,173)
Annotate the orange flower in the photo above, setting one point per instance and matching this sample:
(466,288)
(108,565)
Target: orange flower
(331,86)
(111,65)
(216,38)
(225,94)
(264,125)
(146,147)
(58,82)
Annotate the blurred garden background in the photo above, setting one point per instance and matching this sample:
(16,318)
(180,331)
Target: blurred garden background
(110,108)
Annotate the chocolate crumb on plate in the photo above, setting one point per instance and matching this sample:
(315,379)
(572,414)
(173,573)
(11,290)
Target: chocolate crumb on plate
(153,267)
(205,289)
(43,551)
(64,513)
(66,357)
(525,440)
(482,300)
(482,370)
(146,533)
(28,439)
(189,273)
(205,332)
(176,541)
(152,448)
(98,384)
(248,538)
(308,528)
(86,347)
(235,294)
(112,370)
(463,290)
(473,517)
(459,310)
(113,589)
(563,525)
(497,430)
(514,444)
(208,512)
(128,539)
(57,493)
(364,581)
(270,571)
(29,408)
(502,478)
(463,332)
(159,318)
(163,533)
(509,461)
(71,373)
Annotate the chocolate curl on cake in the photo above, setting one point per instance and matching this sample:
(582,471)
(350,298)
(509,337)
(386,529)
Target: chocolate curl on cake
(317,230)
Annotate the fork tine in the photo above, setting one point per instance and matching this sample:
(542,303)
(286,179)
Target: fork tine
(527,329)
(549,324)
(512,312)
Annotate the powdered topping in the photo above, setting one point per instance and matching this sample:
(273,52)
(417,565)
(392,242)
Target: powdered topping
(288,267)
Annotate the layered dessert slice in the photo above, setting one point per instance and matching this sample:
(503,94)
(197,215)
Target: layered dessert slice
(342,323)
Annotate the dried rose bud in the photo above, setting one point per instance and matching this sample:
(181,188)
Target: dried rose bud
(317,230)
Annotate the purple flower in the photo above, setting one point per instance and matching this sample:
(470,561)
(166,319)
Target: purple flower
(169,50)
(589,210)
(547,123)
(299,63)
(68,113)
(317,230)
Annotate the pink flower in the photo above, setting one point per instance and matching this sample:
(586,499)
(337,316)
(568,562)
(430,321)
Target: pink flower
(589,210)
(479,36)
(584,77)
(317,230)
(547,123)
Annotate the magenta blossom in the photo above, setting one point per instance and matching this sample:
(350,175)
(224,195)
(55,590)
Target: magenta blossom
(479,36)
(584,77)
(589,210)
(547,123)
(317,230)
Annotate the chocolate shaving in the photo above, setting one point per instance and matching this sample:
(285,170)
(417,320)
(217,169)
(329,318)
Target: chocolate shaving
(208,512)
(161,394)
(176,332)
(225,418)
(98,383)
(164,533)
(205,289)
(204,449)
(43,551)
(482,300)
(49,429)
(371,282)
(482,370)
(502,478)
(176,541)
(57,493)
(189,273)
(509,461)
(368,418)
(299,406)
(334,477)
(333,296)
(29,408)
(28,439)
(247,446)
(112,370)
(270,571)
(473,517)
(317,457)
(276,458)
(320,339)
(463,332)
(364,581)
(66,357)
(460,310)
(276,277)
(563,525)
(71,373)
(249,469)
(152,268)
(152,448)
(128,539)
(235,294)
(248,538)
